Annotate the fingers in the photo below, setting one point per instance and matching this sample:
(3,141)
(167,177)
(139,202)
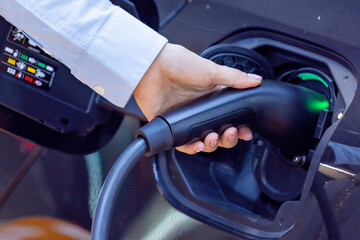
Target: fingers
(210,144)
(192,148)
(231,77)
(229,138)
(245,133)
(212,141)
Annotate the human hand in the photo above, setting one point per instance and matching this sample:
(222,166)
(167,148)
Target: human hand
(178,75)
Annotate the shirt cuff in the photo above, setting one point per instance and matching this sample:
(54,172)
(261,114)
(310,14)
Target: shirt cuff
(119,56)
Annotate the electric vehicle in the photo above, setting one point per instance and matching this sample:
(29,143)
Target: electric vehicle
(264,189)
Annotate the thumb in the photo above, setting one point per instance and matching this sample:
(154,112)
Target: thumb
(232,77)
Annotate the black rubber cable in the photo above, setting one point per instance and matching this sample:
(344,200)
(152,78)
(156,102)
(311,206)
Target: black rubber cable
(327,212)
(173,14)
(112,186)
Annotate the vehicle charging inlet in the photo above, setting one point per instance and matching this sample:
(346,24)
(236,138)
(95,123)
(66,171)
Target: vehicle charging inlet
(284,114)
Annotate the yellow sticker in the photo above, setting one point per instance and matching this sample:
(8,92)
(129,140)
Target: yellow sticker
(31,70)
(11,61)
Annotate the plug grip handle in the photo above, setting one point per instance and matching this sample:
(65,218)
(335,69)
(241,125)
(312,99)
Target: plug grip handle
(284,114)
(198,131)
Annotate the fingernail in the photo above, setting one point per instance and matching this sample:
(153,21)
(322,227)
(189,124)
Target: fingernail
(232,136)
(214,143)
(254,76)
(248,137)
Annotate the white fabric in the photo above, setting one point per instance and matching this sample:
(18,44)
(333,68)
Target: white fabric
(102,44)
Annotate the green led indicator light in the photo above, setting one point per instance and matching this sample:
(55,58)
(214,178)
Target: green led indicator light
(24,57)
(316,105)
(311,76)
(41,64)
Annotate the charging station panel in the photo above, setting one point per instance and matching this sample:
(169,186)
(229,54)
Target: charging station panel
(42,101)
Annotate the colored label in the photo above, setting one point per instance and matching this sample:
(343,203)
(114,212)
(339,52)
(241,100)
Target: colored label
(28,78)
(31,70)
(9,50)
(25,57)
(49,68)
(11,61)
(41,64)
(11,71)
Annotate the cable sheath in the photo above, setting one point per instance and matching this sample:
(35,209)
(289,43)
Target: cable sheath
(112,186)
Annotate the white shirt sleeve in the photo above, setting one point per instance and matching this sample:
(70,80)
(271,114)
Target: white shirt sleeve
(104,46)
